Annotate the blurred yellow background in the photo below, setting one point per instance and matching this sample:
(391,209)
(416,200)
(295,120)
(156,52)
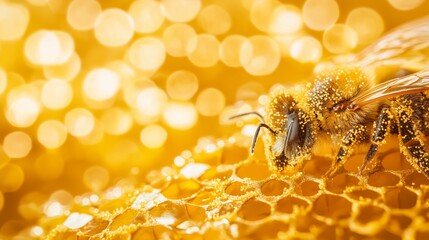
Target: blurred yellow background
(93,91)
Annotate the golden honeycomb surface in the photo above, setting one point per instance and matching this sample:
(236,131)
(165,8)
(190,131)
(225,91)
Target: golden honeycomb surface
(115,122)
(220,192)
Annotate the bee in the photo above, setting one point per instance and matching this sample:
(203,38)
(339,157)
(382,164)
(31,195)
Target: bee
(349,105)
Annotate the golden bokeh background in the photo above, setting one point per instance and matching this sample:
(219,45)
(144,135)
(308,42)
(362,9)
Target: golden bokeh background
(93,92)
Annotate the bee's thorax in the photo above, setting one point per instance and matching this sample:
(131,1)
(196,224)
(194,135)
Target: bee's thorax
(330,93)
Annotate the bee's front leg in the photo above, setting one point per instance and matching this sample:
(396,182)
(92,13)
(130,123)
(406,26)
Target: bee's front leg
(355,135)
(381,129)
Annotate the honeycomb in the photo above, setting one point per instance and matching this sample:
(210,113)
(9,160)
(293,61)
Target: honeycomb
(114,121)
(221,192)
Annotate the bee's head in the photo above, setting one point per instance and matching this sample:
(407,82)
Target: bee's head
(293,129)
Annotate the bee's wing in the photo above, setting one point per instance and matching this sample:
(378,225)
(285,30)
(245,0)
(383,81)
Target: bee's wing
(412,83)
(399,46)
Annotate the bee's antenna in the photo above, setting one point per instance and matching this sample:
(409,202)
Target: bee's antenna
(248,113)
(258,128)
(255,137)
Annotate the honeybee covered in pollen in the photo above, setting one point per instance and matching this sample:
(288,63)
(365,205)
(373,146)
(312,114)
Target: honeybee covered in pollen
(348,105)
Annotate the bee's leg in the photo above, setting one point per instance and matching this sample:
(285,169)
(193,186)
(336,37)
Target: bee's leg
(355,135)
(411,141)
(381,129)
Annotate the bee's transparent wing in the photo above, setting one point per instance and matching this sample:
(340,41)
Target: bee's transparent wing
(412,83)
(404,44)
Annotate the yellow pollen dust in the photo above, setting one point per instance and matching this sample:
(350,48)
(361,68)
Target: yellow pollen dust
(56,94)
(79,122)
(153,136)
(14,20)
(229,52)
(203,50)
(147,15)
(340,38)
(210,102)
(214,19)
(180,10)
(147,54)
(320,14)
(52,134)
(114,28)
(17,144)
(367,23)
(180,115)
(306,49)
(46,47)
(82,14)
(101,84)
(182,85)
(260,55)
